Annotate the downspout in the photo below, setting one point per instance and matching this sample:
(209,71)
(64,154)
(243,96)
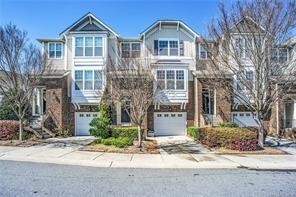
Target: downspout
(277,111)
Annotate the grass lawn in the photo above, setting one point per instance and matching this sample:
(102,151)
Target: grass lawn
(149,147)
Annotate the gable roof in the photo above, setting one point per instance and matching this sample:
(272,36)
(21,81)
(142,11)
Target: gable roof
(248,19)
(89,15)
(169,21)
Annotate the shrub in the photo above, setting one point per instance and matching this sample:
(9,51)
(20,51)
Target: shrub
(193,132)
(101,124)
(120,142)
(241,139)
(227,124)
(8,128)
(131,132)
(61,132)
(6,113)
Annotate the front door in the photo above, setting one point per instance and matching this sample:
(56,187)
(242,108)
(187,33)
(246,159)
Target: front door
(125,118)
(208,104)
(39,102)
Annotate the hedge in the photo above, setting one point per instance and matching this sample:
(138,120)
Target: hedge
(119,142)
(8,128)
(242,139)
(124,132)
(193,132)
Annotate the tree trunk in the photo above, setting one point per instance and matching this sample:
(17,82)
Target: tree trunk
(139,137)
(261,135)
(21,129)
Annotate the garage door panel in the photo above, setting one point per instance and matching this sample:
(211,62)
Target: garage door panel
(82,120)
(170,123)
(243,119)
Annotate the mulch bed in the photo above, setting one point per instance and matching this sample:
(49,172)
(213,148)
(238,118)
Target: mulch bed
(149,147)
(265,151)
(24,143)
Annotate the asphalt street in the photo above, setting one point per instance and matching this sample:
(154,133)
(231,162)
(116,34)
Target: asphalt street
(35,179)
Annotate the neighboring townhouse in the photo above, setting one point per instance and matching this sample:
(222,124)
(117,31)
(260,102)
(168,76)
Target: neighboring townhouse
(69,96)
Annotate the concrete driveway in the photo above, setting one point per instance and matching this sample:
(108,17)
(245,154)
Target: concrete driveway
(70,142)
(179,145)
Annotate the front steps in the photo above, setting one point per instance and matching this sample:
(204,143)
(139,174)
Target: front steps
(37,128)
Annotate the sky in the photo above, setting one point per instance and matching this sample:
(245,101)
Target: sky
(47,18)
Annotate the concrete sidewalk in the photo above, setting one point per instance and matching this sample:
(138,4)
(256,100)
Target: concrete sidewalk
(70,155)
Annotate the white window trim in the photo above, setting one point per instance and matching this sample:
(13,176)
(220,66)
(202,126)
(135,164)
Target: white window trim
(55,51)
(175,80)
(168,40)
(83,38)
(83,80)
(199,52)
(130,50)
(278,53)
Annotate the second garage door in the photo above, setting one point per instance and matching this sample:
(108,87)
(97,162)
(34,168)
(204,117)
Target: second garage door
(82,120)
(169,123)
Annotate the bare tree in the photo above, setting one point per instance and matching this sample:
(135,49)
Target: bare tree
(131,82)
(21,66)
(245,43)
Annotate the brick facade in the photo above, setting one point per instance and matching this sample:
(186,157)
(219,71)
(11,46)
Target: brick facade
(222,100)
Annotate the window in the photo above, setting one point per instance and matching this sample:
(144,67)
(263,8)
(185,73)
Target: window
(136,49)
(98,80)
(79,46)
(98,46)
(239,43)
(171,79)
(55,50)
(169,47)
(279,55)
(250,79)
(88,46)
(241,114)
(283,55)
(163,48)
(239,85)
(88,49)
(158,115)
(174,48)
(166,115)
(125,50)
(180,80)
(234,114)
(173,115)
(130,50)
(78,80)
(250,75)
(202,52)
(180,115)
(88,80)
(161,79)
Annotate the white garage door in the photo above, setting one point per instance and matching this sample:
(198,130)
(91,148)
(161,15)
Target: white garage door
(170,123)
(82,120)
(243,119)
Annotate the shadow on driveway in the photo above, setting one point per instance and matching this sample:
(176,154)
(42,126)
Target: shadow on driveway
(180,145)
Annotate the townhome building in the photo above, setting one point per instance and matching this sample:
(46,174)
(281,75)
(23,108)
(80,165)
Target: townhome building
(71,90)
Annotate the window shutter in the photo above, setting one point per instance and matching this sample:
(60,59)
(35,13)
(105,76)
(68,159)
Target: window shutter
(181,48)
(155,47)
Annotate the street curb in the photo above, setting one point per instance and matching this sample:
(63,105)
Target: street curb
(273,170)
